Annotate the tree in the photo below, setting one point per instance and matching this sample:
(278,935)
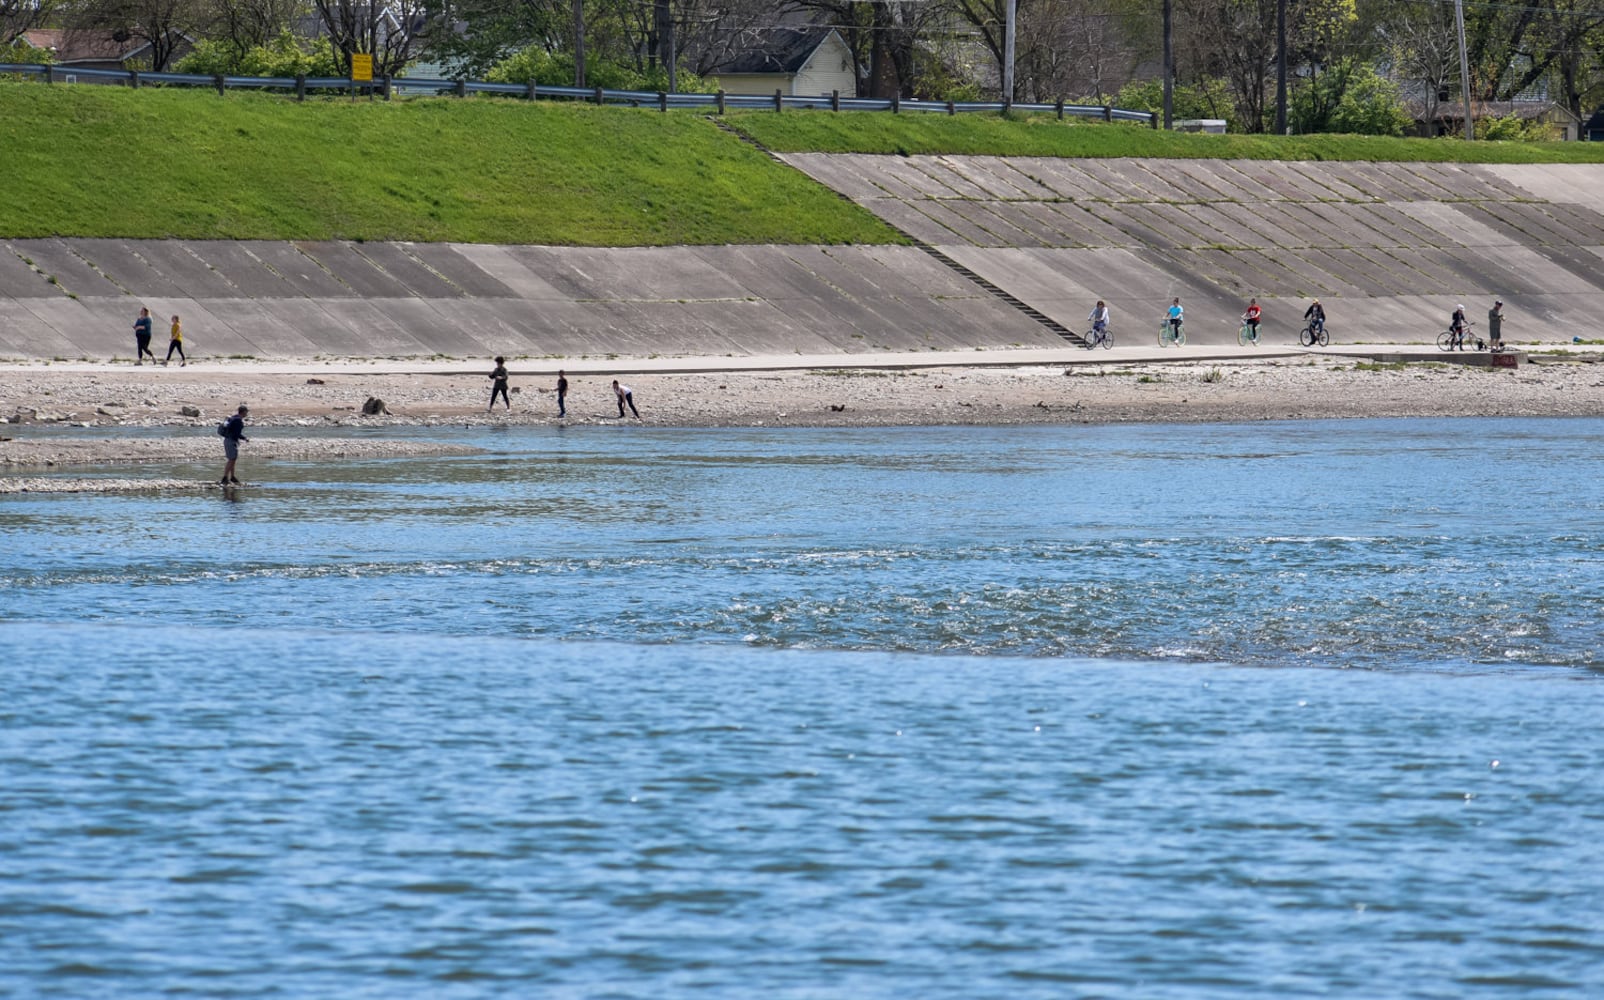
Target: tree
(386,31)
(247,24)
(1236,41)
(17,16)
(1424,48)
(160,24)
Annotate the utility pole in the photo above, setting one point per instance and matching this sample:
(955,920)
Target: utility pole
(579,43)
(1008,55)
(1169,67)
(1281,67)
(1464,68)
(668,45)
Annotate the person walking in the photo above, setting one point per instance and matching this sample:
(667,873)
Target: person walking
(562,394)
(625,395)
(175,344)
(142,338)
(1495,325)
(233,431)
(499,385)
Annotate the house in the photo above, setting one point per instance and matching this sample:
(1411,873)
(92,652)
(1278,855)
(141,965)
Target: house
(94,48)
(1450,117)
(798,62)
(1593,128)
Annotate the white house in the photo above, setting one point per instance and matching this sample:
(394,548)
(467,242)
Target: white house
(798,62)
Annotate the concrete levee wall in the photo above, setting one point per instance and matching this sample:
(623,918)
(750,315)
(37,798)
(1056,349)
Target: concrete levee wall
(1389,248)
(77,298)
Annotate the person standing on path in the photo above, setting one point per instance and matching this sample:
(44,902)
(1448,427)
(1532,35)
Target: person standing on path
(1495,325)
(625,395)
(233,431)
(142,338)
(175,344)
(562,394)
(499,385)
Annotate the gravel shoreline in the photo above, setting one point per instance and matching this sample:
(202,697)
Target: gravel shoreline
(59,417)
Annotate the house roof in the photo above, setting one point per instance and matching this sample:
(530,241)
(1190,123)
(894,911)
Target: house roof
(87,45)
(778,50)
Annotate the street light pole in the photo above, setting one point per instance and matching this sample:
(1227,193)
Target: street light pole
(1281,67)
(1008,54)
(1464,68)
(579,43)
(1169,67)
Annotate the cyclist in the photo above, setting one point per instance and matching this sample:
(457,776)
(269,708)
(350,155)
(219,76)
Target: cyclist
(1175,314)
(1456,326)
(1316,315)
(1251,317)
(1099,318)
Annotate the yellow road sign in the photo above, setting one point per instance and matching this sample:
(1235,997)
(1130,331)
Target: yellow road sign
(361,66)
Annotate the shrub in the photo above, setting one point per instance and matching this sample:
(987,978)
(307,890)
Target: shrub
(1512,128)
(550,69)
(285,56)
(17,52)
(1206,98)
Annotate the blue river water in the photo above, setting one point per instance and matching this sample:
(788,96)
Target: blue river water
(1270,709)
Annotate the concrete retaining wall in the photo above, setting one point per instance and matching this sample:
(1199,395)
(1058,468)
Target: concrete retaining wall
(77,298)
(1388,248)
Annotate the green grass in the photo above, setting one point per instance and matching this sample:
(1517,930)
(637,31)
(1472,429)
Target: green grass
(112,162)
(993,135)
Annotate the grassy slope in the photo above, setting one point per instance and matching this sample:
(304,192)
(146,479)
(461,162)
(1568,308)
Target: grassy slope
(106,161)
(908,134)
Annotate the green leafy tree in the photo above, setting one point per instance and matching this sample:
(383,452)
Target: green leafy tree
(1369,105)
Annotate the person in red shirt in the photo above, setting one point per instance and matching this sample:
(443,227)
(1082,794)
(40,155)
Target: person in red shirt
(1252,316)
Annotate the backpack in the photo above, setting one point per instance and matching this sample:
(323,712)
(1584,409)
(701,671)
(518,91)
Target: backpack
(222,430)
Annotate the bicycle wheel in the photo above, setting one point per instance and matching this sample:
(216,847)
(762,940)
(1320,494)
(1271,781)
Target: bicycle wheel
(1180,337)
(1445,340)
(1325,336)
(1306,337)
(1164,335)
(1108,340)
(1242,336)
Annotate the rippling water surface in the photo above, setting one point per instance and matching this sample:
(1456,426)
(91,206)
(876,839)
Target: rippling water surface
(912,712)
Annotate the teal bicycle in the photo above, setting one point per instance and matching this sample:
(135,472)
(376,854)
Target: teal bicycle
(1248,334)
(1171,334)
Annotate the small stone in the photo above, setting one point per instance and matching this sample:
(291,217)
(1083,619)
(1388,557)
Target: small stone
(189,411)
(315,381)
(375,407)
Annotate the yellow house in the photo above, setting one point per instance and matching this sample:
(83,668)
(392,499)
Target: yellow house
(798,62)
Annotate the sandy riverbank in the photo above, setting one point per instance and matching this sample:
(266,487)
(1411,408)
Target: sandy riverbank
(96,408)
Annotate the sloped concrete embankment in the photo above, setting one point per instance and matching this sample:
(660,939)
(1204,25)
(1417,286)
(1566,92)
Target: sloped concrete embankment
(1388,248)
(77,298)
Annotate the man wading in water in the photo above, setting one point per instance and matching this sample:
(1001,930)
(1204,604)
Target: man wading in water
(233,432)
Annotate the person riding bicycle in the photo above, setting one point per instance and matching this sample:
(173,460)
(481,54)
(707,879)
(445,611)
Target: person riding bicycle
(1316,315)
(1251,317)
(1099,318)
(1456,326)
(1175,314)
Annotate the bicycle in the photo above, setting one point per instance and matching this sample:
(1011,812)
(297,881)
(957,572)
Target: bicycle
(1095,337)
(1248,334)
(1311,335)
(1168,335)
(1448,340)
